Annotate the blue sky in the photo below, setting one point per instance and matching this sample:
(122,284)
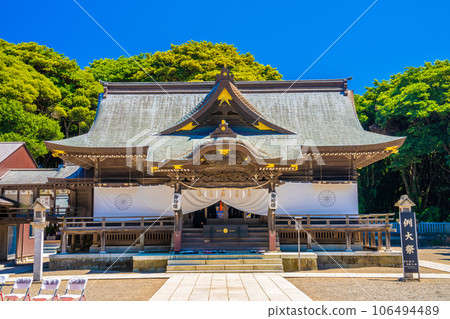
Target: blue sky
(288,35)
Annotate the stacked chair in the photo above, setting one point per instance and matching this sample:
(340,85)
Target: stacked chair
(75,289)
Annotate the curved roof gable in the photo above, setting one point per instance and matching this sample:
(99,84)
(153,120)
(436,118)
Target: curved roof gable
(225,103)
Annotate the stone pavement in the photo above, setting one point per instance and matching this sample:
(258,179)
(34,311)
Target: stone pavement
(228,287)
(433,265)
(359,275)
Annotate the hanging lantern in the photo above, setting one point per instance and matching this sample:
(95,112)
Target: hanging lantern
(223,193)
(237,193)
(248,193)
(199,193)
(211,193)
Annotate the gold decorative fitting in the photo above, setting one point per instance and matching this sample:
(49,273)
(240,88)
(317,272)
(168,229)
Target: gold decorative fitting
(224,97)
(392,149)
(188,127)
(57,153)
(262,127)
(223,151)
(177,166)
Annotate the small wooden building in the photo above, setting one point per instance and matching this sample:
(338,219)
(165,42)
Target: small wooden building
(16,239)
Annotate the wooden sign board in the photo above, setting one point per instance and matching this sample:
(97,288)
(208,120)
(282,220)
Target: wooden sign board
(408,236)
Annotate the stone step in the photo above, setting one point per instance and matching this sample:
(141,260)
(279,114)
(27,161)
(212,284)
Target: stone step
(226,271)
(227,247)
(250,233)
(223,261)
(236,241)
(228,255)
(225,267)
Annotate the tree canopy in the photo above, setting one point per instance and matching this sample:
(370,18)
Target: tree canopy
(40,92)
(191,61)
(415,104)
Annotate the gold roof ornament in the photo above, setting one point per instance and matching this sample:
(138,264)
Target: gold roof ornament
(224,97)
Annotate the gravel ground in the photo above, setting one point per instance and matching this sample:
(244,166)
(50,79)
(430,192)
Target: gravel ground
(378,270)
(111,290)
(66,273)
(380,289)
(434,254)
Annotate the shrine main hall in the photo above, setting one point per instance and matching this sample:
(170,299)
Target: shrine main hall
(213,168)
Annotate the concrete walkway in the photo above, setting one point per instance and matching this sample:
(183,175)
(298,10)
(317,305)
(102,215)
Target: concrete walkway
(228,287)
(359,275)
(433,265)
(115,276)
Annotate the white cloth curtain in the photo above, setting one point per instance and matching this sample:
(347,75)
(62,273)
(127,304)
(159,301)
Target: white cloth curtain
(133,201)
(255,201)
(312,198)
(293,199)
(156,200)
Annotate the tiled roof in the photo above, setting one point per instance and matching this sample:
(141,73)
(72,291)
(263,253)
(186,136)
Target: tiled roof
(7,148)
(36,176)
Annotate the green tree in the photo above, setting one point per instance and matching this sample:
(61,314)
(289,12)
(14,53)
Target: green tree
(415,104)
(40,92)
(192,61)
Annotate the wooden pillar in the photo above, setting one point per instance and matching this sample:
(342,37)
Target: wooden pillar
(142,243)
(388,240)
(178,215)
(271,223)
(366,238)
(72,243)
(178,225)
(64,243)
(380,240)
(372,239)
(272,230)
(309,241)
(348,240)
(225,212)
(103,243)
(96,168)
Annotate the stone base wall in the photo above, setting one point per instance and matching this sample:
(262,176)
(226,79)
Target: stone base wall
(91,262)
(144,264)
(359,259)
(158,262)
(290,263)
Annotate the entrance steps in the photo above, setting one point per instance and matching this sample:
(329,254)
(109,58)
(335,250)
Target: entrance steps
(258,238)
(224,263)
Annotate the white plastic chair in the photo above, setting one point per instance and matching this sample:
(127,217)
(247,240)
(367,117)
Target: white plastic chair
(20,284)
(2,283)
(48,285)
(77,283)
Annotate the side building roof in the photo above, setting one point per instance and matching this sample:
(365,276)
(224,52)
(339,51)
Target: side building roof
(37,176)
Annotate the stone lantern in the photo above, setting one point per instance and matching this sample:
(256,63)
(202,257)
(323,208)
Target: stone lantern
(39,222)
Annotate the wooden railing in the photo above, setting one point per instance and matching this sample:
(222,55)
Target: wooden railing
(154,230)
(24,215)
(364,229)
(91,225)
